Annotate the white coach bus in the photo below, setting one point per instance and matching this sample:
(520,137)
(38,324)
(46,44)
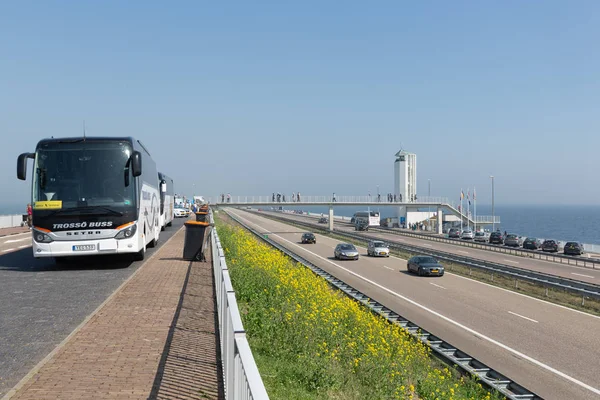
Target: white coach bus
(167,200)
(92,195)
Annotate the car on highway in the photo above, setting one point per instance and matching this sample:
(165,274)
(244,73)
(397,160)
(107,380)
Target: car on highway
(425,265)
(552,246)
(345,251)
(309,237)
(496,238)
(467,234)
(532,243)
(323,220)
(377,248)
(513,240)
(361,225)
(180,212)
(454,233)
(573,249)
(481,237)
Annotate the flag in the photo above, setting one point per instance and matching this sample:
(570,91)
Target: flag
(462,194)
(474,196)
(468,194)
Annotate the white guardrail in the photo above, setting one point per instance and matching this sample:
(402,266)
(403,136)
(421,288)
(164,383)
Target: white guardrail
(242,380)
(11,221)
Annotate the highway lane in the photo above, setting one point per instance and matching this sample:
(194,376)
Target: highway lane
(41,303)
(549,349)
(16,242)
(563,270)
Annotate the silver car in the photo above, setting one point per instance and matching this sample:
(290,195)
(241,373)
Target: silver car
(482,237)
(378,248)
(345,251)
(467,234)
(513,240)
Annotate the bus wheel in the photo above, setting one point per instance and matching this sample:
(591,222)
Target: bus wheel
(153,242)
(140,255)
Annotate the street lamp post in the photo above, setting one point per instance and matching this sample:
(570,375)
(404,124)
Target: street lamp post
(429,201)
(493,214)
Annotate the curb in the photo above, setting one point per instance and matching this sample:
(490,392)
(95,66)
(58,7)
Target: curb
(66,340)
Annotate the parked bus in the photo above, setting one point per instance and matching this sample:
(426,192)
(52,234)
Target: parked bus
(167,201)
(371,217)
(92,195)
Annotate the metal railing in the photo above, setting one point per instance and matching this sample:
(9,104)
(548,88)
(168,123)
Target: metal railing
(240,373)
(323,199)
(442,349)
(593,263)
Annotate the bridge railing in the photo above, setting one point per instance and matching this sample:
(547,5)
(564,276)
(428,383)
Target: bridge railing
(373,198)
(240,373)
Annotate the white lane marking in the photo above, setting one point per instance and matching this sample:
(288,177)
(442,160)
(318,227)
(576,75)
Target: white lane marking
(434,284)
(427,244)
(462,251)
(6,250)
(524,317)
(496,287)
(385,266)
(25,245)
(587,276)
(17,240)
(437,314)
(511,261)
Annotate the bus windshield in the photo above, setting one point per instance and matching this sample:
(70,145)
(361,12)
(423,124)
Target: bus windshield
(83,174)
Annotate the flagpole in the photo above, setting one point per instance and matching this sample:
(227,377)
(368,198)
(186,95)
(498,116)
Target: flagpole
(468,208)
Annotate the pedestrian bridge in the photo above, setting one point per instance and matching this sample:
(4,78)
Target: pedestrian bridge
(439,204)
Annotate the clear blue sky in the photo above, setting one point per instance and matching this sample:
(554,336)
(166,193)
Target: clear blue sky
(251,98)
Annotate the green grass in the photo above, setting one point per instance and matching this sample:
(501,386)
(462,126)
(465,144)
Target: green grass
(312,342)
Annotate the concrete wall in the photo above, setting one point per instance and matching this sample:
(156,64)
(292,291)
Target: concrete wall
(10,221)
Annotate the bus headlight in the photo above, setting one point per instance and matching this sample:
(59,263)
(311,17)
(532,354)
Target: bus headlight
(41,237)
(127,232)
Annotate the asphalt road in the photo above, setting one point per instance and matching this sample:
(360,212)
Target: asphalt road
(563,270)
(41,303)
(549,349)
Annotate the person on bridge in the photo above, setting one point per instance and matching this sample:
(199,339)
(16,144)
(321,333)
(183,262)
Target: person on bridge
(29,215)
(378,198)
(333,199)
(298,197)
(223,198)
(293,197)
(273,197)
(228,198)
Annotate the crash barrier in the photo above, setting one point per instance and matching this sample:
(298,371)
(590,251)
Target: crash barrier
(451,355)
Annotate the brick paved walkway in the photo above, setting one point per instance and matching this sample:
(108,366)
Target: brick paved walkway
(156,336)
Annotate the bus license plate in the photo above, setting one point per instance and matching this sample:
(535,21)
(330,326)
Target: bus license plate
(84,247)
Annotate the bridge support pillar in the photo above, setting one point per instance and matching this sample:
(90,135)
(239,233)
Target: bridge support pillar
(440,220)
(331,218)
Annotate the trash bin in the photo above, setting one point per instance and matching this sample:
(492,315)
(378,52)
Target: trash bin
(201,216)
(196,235)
